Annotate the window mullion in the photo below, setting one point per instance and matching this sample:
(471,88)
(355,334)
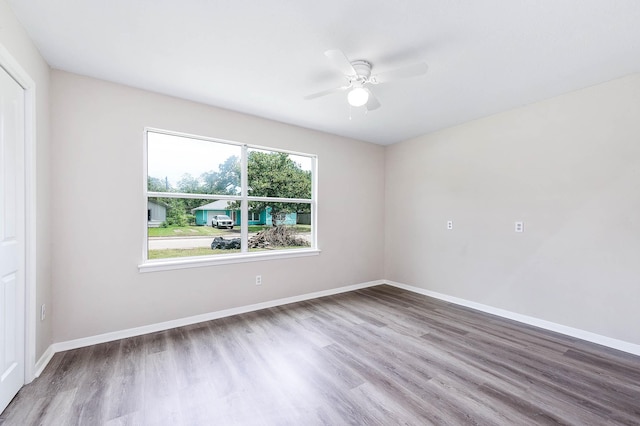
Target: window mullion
(151,194)
(281,200)
(244,204)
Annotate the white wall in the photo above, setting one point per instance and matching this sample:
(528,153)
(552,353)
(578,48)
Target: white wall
(569,167)
(97,141)
(16,41)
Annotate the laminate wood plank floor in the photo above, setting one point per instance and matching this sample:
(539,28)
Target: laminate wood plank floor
(378,356)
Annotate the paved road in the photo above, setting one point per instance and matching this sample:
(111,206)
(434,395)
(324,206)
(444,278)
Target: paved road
(179,243)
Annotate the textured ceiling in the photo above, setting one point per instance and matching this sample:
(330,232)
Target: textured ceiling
(261,58)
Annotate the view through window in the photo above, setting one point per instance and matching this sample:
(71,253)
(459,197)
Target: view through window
(207,197)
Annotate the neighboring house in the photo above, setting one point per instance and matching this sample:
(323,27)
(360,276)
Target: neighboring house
(156,214)
(205,213)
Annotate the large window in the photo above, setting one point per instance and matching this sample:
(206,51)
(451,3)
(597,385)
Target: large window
(210,200)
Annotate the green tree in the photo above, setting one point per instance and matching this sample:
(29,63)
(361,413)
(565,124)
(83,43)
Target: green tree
(224,181)
(178,210)
(189,184)
(275,174)
(158,185)
(177,214)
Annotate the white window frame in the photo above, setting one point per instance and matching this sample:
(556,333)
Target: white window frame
(152,265)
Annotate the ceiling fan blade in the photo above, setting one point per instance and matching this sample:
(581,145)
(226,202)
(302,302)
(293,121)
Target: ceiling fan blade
(405,72)
(326,92)
(340,61)
(373,102)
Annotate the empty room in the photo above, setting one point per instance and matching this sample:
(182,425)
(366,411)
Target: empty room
(340,212)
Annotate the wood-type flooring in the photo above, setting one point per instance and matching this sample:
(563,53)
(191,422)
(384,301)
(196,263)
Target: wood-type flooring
(378,356)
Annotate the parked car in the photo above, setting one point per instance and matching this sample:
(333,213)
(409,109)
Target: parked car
(222,221)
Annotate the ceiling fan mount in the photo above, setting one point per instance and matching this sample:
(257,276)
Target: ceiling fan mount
(358,76)
(362,68)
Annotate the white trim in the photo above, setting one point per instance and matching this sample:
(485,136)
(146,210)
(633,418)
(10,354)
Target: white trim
(191,195)
(167,325)
(280,199)
(144,220)
(314,203)
(225,141)
(15,70)
(222,259)
(44,361)
(620,345)
(197,196)
(244,203)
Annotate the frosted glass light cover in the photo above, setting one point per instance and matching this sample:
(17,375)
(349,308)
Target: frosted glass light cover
(358,97)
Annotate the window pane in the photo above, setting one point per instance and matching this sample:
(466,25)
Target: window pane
(182,227)
(182,164)
(277,174)
(282,226)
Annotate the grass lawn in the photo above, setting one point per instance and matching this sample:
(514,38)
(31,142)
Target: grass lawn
(203,251)
(203,231)
(185,231)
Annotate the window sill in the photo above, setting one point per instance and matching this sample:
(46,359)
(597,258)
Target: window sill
(194,262)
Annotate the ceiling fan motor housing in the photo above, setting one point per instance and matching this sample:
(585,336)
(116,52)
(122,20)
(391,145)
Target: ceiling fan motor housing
(363,68)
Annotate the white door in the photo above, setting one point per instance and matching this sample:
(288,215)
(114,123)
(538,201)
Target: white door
(12,238)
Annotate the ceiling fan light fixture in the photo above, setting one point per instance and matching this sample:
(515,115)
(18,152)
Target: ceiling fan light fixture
(357,97)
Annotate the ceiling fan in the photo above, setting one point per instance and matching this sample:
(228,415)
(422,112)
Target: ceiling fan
(358,76)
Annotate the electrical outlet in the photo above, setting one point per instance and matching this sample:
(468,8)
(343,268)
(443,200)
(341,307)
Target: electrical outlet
(449,224)
(43,312)
(519,227)
(258,279)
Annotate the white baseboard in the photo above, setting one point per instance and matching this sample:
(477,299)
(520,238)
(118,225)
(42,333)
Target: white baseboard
(621,345)
(43,361)
(152,328)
